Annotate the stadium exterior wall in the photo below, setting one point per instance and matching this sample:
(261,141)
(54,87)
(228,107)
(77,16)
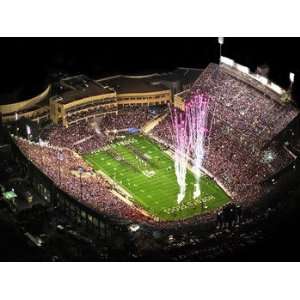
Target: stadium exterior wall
(58,109)
(16,107)
(149,98)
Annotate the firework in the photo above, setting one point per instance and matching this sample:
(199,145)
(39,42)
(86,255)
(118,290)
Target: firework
(196,113)
(190,132)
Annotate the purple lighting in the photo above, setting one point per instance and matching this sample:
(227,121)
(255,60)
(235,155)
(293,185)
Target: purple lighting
(190,132)
(181,149)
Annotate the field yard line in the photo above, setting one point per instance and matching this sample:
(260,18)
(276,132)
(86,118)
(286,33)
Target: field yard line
(161,187)
(127,201)
(121,186)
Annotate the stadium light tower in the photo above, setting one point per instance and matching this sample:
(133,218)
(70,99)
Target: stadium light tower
(16,119)
(221,42)
(292,78)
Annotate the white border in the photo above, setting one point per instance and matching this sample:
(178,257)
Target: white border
(149,18)
(149,281)
(145,281)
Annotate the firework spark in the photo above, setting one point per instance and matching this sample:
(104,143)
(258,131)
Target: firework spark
(190,132)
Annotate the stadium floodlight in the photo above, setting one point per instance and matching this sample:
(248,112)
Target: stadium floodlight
(276,88)
(227,61)
(292,77)
(242,69)
(28,130)
(16,119)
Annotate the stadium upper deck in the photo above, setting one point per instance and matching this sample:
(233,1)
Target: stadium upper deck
(138,90)
(252,124)
(80,98)
(76,98)
(178,80)
(124,84)
(152,89)
(250,109)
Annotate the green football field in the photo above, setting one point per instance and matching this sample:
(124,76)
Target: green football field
(147,173)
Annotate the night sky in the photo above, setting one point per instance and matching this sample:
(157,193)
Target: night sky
(27,64)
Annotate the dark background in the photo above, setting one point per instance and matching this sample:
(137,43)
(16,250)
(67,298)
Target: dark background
(27,64)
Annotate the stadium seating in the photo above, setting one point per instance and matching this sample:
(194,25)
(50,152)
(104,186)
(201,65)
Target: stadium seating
(96,191)
(244,127)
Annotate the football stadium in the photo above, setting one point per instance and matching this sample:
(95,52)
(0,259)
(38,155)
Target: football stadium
(161,150)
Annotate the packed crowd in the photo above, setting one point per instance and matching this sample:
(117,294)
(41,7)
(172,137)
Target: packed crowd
(91,189)
(87,136)
(129,117)
(163,131)
(234,154)
(257,117)
(85,114)
(82,137)
(62,165)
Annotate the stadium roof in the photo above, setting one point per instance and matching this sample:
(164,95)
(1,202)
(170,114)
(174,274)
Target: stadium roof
(185,75)
(78,87)
(152,82)
(123,84)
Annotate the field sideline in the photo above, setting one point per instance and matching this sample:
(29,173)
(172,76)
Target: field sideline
(139,165)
